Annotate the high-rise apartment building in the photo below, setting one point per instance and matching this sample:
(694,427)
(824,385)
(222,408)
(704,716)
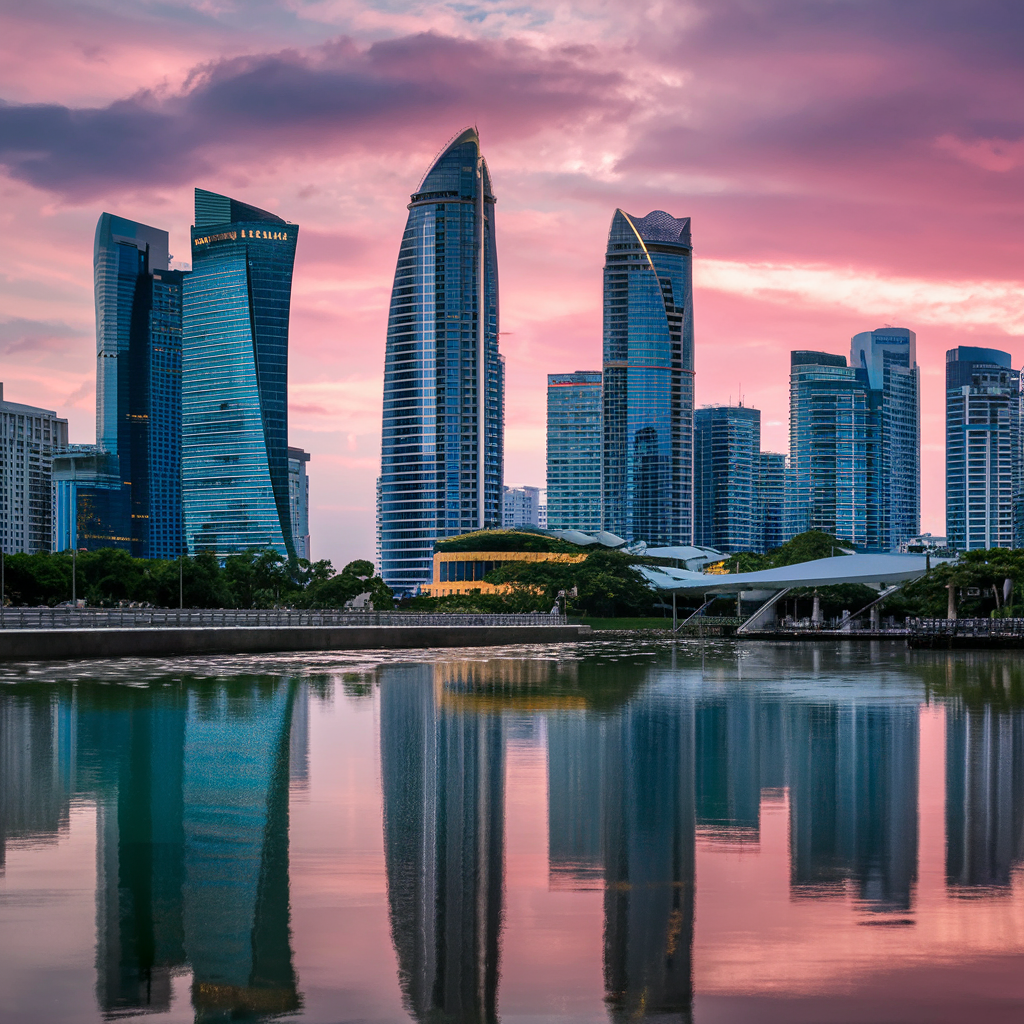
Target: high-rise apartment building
(443,432)
(298,500)
(574,453)
(726,467)
(771,501)
(835,457)
(888,356)
(983,455)
(29,437)
(235,379)
(521,506)
(648,379)
(126,490)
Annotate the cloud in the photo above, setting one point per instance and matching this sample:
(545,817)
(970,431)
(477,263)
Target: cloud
(18,334)
(997,305)
(336,96)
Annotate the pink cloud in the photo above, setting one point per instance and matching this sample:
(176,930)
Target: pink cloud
(845,165)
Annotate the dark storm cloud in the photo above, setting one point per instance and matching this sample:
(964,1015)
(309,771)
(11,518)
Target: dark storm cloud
(336,95)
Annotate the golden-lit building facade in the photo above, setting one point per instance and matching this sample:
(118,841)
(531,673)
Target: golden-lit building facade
(463,572)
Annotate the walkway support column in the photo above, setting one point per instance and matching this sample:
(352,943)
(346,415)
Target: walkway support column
(951,603)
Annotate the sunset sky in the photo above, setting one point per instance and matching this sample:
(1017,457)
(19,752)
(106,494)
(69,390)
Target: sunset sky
(846,163)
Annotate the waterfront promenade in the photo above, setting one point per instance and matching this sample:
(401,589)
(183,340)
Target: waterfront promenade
(56,633)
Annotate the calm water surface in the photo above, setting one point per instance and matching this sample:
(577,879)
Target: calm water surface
(748,833)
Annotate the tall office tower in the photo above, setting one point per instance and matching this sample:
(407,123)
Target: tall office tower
(29,437)
(443,440)
(834,443)
(129,496)
(234,463)
(648,379)
(889,358)
(771,501)
(574,452)
(521,506)
(982,448)
(726,465)
(298,500)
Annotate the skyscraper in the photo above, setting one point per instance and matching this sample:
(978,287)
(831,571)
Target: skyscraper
(29,437)
(726,466)
(126,491)
(648,379)
(298,499)
(235,379)
(771,501)
(574,440)
(834,439)
(443,437)
(982,448)
(888,356)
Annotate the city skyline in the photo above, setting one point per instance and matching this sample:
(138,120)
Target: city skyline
(806,238)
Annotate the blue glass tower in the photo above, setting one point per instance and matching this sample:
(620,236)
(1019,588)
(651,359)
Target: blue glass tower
(648,379)
(235,379)
(443,437)
(888,356)
(835,450)
(727,449)
(574,451)
(130,497)
(983,456)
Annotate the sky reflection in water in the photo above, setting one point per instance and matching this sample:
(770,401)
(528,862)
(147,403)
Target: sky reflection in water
(595,833)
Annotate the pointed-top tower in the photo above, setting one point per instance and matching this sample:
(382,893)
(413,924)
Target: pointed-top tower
(648,379)
(443,439)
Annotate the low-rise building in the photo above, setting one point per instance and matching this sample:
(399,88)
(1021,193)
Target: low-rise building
(460,565)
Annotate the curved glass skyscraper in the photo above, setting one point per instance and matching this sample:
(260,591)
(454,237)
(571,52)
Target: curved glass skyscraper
(648,379)
(443,438)
(234,461)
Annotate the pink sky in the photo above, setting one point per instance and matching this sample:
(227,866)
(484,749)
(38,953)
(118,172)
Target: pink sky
(846,165)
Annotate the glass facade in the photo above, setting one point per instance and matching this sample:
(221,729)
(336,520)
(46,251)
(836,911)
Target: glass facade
(138,394)
(771,501)
(28,439)
(648,379)
(574,457)
(835,457)
(983,458)
(888,356)
(235,379)
(443,428)
(726,464)
(298,500)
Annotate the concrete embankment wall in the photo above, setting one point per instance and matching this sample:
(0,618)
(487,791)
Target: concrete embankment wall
(49,644)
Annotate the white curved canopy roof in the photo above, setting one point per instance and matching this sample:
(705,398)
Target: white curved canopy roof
(878,571)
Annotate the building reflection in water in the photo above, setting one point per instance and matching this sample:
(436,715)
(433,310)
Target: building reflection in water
(190,783)
(984,797)
(621,774)
(443,779)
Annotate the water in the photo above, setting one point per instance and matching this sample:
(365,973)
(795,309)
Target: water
(602,832)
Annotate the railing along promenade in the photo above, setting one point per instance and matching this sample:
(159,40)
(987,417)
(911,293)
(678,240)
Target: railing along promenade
(967,633)
(968,627)
(198,618)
